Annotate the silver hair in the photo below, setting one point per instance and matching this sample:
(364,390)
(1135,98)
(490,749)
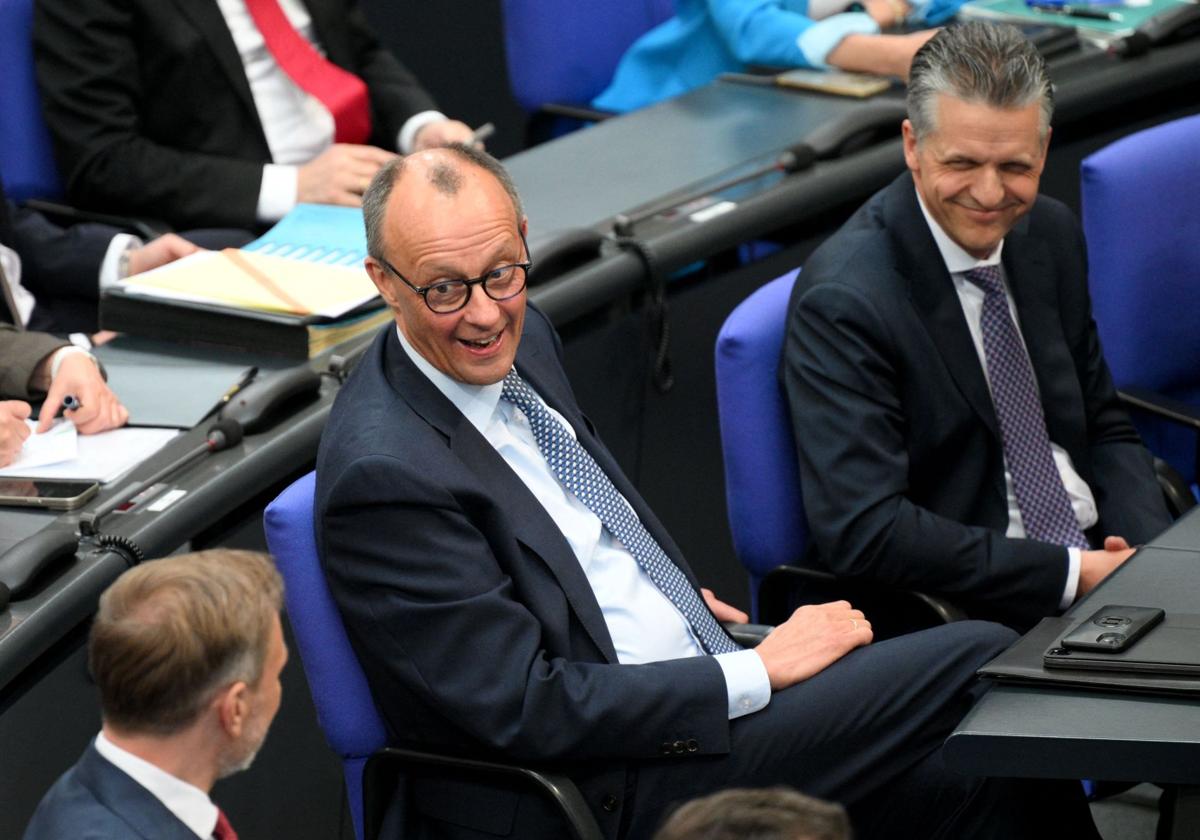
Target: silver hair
(444,176)
(988,63)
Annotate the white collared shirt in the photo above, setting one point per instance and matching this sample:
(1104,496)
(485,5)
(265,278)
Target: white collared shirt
(958,263)
(643,623)
(190,805)
(298,127)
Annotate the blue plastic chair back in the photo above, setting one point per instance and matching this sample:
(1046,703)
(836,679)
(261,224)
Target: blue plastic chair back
(762,474)
(345,709)
(26,162)
(566,52)
(1141,215)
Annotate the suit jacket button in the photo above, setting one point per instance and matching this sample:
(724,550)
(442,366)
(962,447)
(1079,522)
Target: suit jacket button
(610,803)
(693,745)
(679,747)
(665,749)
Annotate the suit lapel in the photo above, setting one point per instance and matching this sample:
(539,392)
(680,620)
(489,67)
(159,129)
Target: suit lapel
(124,797)
(932,292)
(206,16)
(531,525)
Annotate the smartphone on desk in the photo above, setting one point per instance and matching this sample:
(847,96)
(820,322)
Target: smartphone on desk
(1113,628)
(52,494)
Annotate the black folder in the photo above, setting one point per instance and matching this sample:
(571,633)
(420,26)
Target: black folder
(1150,666)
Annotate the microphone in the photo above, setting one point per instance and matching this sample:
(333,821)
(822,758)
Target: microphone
(21,564)
(221,435)
(792,159)
(224,434)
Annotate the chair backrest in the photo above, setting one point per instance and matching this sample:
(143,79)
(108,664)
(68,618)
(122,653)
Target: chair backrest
(26,163)
(566,51)
(345,709)
(762,477)
(1141,215)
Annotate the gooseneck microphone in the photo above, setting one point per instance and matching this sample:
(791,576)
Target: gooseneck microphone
(221,435)
(793,159)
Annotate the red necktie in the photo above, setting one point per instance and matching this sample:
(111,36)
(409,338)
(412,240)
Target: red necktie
(342,92)
(223,831)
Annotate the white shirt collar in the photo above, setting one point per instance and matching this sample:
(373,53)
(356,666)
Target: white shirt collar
(956,259)
(478,403)
(187,802)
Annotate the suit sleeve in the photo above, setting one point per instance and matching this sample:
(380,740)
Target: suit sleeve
(851,432)
(59,262)
(438,621)
(21,352)
(94,95)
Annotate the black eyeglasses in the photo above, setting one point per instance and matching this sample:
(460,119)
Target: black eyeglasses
(448,296)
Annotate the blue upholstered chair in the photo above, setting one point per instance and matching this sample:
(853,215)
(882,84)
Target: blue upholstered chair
(762,479)
(347,714)
(562,53)
(1141,216)
(26,163)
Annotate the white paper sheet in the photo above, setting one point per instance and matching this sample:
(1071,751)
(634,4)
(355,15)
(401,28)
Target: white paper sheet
(103,457)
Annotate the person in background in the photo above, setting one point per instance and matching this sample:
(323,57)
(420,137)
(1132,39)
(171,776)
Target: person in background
(224,113)
(708,37)
(186,653)
(776,813)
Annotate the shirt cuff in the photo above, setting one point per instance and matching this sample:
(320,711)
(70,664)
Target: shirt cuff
(1074,556)
(277,194)
(746,681)
(408,133)
(110,266)
(820,39)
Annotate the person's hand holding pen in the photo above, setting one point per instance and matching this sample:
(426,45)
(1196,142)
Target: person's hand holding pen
(77,387)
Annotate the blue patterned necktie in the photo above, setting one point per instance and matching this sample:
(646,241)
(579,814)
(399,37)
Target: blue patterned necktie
(580,474)
(1045,507)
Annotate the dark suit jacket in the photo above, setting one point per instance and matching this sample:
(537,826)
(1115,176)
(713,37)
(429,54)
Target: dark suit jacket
(96,801)
(900,453)
(60,266)
(476,626)
(151,113)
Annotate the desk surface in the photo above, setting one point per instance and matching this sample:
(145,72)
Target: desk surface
(1057,733)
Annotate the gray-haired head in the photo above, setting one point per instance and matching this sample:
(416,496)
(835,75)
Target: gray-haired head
(986,63)
(445,176)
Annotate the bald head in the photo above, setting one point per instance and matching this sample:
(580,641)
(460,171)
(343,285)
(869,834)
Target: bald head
(442,171)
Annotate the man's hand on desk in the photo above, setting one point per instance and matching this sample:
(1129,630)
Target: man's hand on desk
(443,133)
(167,248)
(340,174)
(811,640)
(1095,566)
(13,430)
(99,409)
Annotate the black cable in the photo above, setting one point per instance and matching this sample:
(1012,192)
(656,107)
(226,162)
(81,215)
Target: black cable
(657,311)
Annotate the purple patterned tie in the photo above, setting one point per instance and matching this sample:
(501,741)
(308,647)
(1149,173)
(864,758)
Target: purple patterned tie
(1045,507)
(581,475)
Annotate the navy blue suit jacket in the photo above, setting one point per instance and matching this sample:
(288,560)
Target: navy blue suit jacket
(95,800)
(473,619)
(60,266)
(899,447)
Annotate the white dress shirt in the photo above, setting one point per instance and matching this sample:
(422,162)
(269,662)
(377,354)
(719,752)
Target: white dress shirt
(190,805)
(643,623)
(958,263)
(298,127)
